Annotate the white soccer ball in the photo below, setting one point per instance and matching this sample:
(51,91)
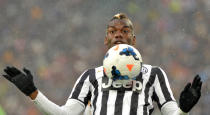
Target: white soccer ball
(122,63)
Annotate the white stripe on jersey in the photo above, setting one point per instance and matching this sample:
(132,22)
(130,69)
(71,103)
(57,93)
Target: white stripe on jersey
(98,104)
(167,84)
(126,103)
(111,102)
(158,90)
(97,109)
(84,90)
(140,110)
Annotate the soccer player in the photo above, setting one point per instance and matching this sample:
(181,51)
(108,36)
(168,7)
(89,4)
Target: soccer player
(88,87)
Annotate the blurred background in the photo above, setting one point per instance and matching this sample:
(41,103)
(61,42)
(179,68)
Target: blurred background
(58,39)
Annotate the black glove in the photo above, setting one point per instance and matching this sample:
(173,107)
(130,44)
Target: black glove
(190,95)
(24,81)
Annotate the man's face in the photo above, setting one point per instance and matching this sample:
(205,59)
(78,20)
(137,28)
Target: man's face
(119,32)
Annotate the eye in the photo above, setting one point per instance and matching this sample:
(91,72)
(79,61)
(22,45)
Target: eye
(125,31)
(111,32)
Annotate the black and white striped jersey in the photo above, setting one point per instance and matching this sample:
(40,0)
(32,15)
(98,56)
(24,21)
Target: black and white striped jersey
(108,98)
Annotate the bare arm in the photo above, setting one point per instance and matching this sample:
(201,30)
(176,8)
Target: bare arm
(33,95)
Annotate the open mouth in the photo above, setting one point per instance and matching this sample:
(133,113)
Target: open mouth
(118,42)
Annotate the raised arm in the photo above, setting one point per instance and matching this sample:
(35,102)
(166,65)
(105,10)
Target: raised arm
(24,82)
(163,94)
(191,94)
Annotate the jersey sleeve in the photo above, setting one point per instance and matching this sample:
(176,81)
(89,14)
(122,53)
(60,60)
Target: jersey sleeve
(162,91)
(75,105)
(171,108)
(81,90)
(163,94)
(47,107)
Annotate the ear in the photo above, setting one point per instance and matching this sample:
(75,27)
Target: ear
(134,40)
(105,41)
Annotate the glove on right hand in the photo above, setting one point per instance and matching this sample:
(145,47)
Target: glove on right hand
(24,81)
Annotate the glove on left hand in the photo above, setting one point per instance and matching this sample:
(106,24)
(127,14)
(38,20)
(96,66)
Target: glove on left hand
(190,95)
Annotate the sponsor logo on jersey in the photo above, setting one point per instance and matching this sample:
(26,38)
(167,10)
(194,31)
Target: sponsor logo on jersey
(130,85)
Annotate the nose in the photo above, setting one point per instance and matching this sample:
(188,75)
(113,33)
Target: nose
(118,34)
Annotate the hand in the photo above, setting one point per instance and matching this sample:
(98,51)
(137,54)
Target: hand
(190,95)
(24,81)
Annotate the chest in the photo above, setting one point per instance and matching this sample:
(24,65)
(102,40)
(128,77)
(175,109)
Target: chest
(139,87)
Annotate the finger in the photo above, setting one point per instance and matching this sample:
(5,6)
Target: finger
(15,71)
(196,80)
(199,86)
(27,72)
(8,71)
(7,77)
(187,86)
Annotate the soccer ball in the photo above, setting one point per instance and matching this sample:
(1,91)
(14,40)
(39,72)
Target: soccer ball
(122,63)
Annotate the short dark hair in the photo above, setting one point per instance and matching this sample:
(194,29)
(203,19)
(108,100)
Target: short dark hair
(122,16)
(119,16)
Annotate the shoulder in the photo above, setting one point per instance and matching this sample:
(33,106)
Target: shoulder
(93,70)
(98,68)
(89,76)
(146,68)
(152,71)
(95,73)
(149,68)
(146,71)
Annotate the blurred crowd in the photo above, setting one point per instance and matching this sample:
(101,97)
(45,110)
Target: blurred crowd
(58,39)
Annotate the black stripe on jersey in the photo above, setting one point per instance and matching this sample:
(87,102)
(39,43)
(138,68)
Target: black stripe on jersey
(92,78)
(87,98)
(150,111)
(145,109)
(134,103)
(94,82)
(104,103)
(163,86)
(156,99)
(119,103)
(134,98)
(146,91)
(139,78)
(78,87)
